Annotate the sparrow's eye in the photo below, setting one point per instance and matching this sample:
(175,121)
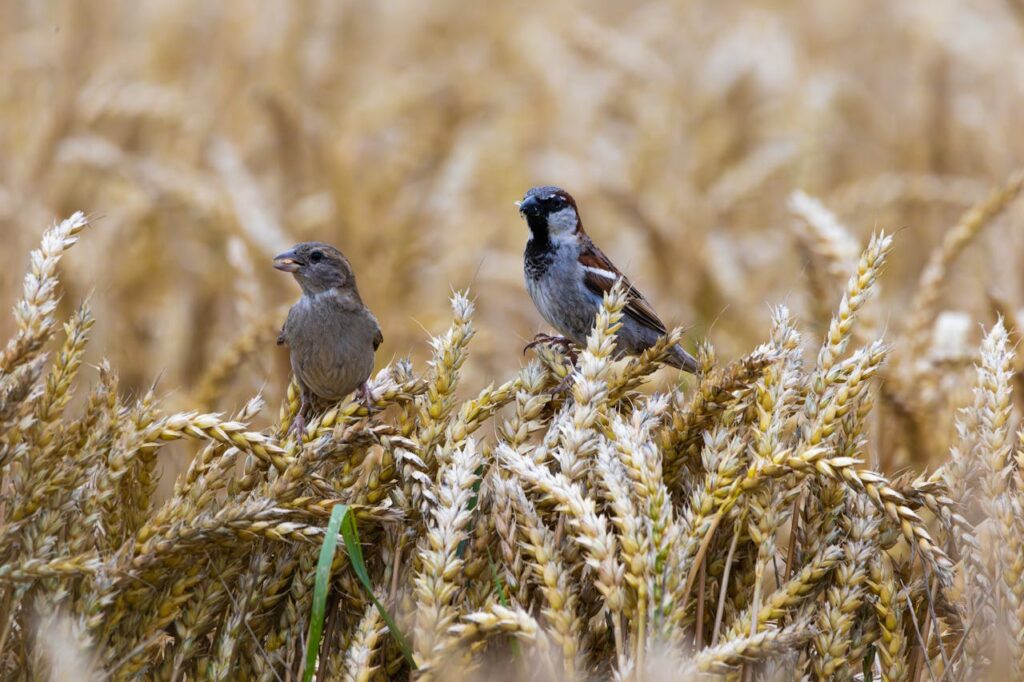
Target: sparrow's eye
(316,256)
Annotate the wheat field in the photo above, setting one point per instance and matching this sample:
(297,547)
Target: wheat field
(822,199)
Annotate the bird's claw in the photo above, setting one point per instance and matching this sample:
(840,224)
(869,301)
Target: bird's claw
(562,342)
(567,347)
(537,340)
(364,396)
(564,386)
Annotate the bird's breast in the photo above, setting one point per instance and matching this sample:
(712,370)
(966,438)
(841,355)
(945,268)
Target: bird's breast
(556,286)
(331,346)
(536,263)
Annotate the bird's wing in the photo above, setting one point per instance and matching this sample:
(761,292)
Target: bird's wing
(282,338)
(600,275)
(378,335)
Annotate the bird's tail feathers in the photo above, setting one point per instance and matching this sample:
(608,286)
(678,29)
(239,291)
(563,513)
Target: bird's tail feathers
(680,359)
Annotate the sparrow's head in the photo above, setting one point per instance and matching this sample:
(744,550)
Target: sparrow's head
(316,266)
(550,212)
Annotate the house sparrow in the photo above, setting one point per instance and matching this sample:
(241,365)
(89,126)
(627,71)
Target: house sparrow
(567,277)
(331,335)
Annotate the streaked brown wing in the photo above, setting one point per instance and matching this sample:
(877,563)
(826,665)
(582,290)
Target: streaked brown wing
(600,276)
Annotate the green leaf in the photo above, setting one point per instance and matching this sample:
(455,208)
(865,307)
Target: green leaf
(343,521)
(350,534)
(868,663)
(323,583)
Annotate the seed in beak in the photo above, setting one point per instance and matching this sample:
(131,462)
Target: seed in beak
(286,264)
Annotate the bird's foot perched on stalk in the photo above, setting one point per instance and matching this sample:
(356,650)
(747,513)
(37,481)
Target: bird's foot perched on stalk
(298,427)
(564,344)
(364,396)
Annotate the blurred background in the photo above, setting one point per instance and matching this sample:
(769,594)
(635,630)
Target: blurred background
(203,138)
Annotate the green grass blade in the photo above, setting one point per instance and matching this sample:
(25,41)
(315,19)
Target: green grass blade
(323,583)
(350,535)
(868,663)
(499,582)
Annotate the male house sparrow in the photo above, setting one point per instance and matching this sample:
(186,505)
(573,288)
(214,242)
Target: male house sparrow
(331,335)
(567,277)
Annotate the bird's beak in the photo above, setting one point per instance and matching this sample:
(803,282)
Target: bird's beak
(528,206)
(286,262)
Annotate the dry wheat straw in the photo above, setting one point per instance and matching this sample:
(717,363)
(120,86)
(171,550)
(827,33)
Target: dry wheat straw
(550,573)
(480,625)
(506,528)
(34,312)
(888,606)
(358,664)
(591,530)
(725,657)
(436,582)
(929,288)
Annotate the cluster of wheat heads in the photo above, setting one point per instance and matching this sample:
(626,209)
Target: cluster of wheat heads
(729,528)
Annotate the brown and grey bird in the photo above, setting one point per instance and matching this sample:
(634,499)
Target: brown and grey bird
(567,277)
(331,335)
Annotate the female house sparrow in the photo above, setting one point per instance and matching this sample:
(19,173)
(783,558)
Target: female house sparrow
(331,335)
(567,277)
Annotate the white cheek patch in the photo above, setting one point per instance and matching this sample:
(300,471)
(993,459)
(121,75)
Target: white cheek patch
(562,222)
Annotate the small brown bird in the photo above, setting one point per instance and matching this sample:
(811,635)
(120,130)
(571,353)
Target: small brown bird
(567,277)
(331,335)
